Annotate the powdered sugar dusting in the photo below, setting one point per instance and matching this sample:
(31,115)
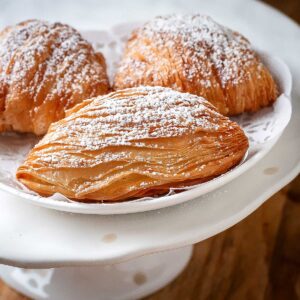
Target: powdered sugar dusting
(43,61)
(128,118)
(200,45)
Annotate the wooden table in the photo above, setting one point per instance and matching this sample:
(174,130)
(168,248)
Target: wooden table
(258,258)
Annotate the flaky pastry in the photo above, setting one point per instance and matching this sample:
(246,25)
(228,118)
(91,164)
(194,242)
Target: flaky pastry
(193,53)
(133,143)
(45,69)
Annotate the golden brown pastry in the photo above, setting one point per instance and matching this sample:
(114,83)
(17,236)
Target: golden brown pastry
(133,143)
(45,69)
(193,53)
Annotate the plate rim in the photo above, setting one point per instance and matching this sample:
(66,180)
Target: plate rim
(135,206)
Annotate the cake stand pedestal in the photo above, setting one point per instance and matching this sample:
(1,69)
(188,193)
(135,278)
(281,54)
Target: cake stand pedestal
(133,279)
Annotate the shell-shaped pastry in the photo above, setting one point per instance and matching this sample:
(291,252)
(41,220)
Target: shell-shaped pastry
(45,69)
(133,143)
(195,54)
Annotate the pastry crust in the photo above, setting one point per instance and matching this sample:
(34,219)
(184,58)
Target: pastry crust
(133,143)
(193,53)
(45,69)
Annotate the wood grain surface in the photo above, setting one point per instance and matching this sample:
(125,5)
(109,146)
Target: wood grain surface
(256,259)
(259,258)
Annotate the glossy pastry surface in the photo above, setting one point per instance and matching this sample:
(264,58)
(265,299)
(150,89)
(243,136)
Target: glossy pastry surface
(133,143)
(195,54)
(45,69)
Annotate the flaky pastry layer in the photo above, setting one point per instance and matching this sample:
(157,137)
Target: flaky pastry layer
(45,69)
(133,143)
(195,54)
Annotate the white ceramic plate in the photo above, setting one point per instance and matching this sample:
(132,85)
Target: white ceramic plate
(36,237)
(280,112)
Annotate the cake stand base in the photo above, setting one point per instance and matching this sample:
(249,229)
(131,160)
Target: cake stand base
(128,280)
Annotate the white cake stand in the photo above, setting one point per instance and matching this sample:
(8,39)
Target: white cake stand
(119,257)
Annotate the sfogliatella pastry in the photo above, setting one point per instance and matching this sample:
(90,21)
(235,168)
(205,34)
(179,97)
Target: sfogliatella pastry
(133,143)
(45,69)
(193,53)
